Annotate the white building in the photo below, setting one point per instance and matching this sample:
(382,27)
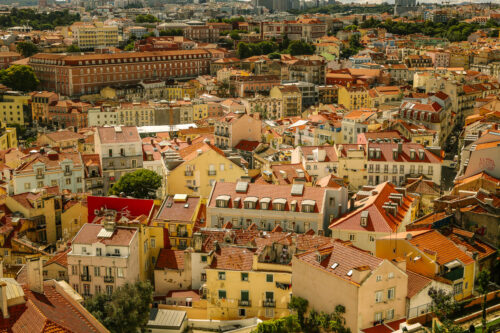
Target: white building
(100,117)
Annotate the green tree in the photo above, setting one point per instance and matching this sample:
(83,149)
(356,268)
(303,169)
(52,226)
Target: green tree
(129,47)
(482,283)
(27,49)
(141,184)
(126,311)
(299,306)
(443,306)
(243,51)
(298,47)
(172,32)
(73,48)
(19,77)
(234,35)
(145,18)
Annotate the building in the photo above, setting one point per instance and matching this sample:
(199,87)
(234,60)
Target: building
(94,182)
(395,162)
(291,99)
(253,84)
(92,72)
(266,107)
(95,35)
(172,271)
(14,108)
(354,97)
(120,152)
(64,139)
(40,305)
(371,290)
(135,114)
(308,70)
(6,58)
(418,61)
(179,214)
(377,212)
(49,168)
(307,208)
(103,258)
(431,254)
(56,268)
(305,29)
(355,123)
(40,102)
(234,127)
(319,161)
(195,169)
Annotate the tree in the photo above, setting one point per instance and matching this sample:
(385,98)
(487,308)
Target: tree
(234,35)
(298,47)
(73,48)
(19,77)
(141,184)
(482,283)
(299,306)
(243,51)
(172,32)
(146,18)
(27,49)
(126,311)
(443,306)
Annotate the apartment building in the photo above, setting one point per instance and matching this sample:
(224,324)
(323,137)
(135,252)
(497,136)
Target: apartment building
(395,162)
(95,35)
(419,61)
(371,290)
(308,70)
(14,108)
(66,113)
(103,258)
(6,58)
(296,207)
(307,30)
(291,99)
(86,74)
(355,123)
(377,212)
(431,254)
(135,114)
(267,107)
(195,169)
(40,102)
(94,183)
(234,127)
(101,116)
(319,161)
(351,166)
(120,152)
(354,97)
(49,168)
(253,84)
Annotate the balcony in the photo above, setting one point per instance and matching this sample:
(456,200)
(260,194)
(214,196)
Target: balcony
(188,173)
(269,303)
(40,176)
(68,173)
(212,172)
(182,234)
(109,279)
(85,277)
(242,302)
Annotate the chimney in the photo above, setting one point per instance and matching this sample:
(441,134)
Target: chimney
(351,204)
(35,274)
(5,307)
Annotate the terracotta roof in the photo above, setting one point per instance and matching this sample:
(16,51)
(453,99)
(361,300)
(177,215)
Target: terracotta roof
(331,154)
(64,135)
(290,171)
(465,240)
(88,235)
(60,258)
(232,258)
(51,159)
(347,258)
(247,145)
(387,155)
(446,250)
(170,259)
(111,135)
(416,283)
(28,199)
(372,201)
(178,211)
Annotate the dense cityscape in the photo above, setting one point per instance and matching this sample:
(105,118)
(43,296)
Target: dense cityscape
(262,166)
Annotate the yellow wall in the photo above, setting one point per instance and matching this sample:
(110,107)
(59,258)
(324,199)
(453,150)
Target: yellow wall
(11,109)
(200,111)
(177,181)
(73,219)
(348,99)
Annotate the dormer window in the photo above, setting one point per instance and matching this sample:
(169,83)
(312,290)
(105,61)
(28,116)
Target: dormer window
(364,218)
(293,205)
(264,203)
(250,202)
(222,201)
(279,204)
(308,206)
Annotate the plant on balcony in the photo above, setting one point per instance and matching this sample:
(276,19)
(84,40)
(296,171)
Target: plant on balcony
(126,310)
(141,184)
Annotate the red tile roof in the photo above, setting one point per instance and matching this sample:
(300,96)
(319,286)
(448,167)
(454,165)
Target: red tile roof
(60,258)
(416,283)
(127,134)
(232,258)
(177,211)
(170,259)
(88,235)
(378,219)
(387,154)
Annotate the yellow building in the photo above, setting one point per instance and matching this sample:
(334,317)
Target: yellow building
(74,216)
(12,107)
(200,111)
(291,100)
(201,164)
(136,114)
(354,97)
(429,253)
(178,214)
(180,92)
(56,268)
(8,137)
(241,283)
(93,35)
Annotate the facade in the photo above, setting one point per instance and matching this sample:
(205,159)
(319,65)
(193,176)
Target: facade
(64,139)
(14,108)
(103,258)
(172,271)
(120,152)
(319,161)
(96,35)
(355,123)
(49,168)
(40,102)
(372,290)
(86,74)
(354,97)
(234,127)
(267,107)
(291,99)
(296,208)
(308,70)
(307,30)
(135,114)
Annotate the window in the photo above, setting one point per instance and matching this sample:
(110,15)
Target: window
(391,275)
(458,288)
(145,246)
(109,271)
(242,312)
(203,258)
(98,252)
(153,243)
(269,278)
(390,293)
(352,237)
(222,275)
(74,269)
(378,316)
(97,271)
(379,278)
(86,289)
(97,290)
(68,181)
(389,314)
(110,153)
(371,238)
(378,296)
(27,186)
(244,276)
(269,312)
(119,272)
(269,296)
(222,294)
(109,290)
